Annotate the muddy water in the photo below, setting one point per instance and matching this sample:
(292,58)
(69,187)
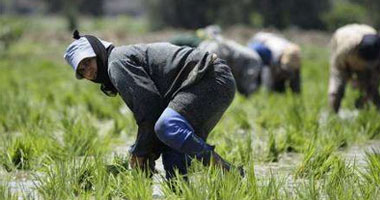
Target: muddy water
(20,183)
(357,153)
(285,166)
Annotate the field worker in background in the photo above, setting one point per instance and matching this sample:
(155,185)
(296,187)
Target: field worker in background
(245,64)
(281,59)
(355,55)
(194,39)
(177,95)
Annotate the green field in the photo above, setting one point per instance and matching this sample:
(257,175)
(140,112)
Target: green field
(63,139)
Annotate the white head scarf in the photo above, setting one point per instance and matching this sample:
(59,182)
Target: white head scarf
(79,50)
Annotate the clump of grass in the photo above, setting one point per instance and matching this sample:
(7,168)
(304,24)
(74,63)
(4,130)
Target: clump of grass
(273,151)
(123,123)
(119,165)
(91,177)
(242,118)
(372,172)
(21,154)
(12,30)
(308,190)
(294,141)
(367,123)
(341,181)
(317,162)
(81,138)
(244,149)
(73,178)
(213,183)
(30,150)
(6,193)
(134,185)
(97,106)
(205,183)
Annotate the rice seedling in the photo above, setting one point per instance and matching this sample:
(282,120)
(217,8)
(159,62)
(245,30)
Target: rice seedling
(317,162)
(73,178)
(81,138)
(6,194)
(372,171)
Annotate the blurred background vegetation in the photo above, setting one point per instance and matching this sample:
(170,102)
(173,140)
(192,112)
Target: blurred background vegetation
(190,14)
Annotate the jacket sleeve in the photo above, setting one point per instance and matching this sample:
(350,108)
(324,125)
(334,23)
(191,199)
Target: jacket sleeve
(337,83)
(295,81)
(142,97)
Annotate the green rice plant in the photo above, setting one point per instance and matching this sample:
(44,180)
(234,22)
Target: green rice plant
(81,138)
(205,183)
(295,113)
(310,189)
(244,150)
(341,181)
(336,133)
(317,162)
(242,119)
(134,185)
(6,193)
(364,190)
(272,188)
(29,151)
(11,31)
(372,171)
(273,151)
(98,107)
(11,104)
(123,122)
(20,154)
(367,121)
(294,141)
(213,183)
(119,165)
(75,178)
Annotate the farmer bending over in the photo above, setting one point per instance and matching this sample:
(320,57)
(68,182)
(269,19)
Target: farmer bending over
(177,96)
(355,56)
(283,59)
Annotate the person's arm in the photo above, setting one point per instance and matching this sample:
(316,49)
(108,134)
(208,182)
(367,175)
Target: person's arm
(267,78)
(373,88)
(337,84)
(141,95)
(295,81)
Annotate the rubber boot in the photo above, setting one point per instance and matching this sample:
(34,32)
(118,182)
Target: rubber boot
(204,152)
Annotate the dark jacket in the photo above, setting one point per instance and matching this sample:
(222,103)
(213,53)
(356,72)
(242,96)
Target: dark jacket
(148,76)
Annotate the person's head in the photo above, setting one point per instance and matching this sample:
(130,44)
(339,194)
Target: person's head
(82,58)
(88,56)
(291,58)
(369,47)
(87,69)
